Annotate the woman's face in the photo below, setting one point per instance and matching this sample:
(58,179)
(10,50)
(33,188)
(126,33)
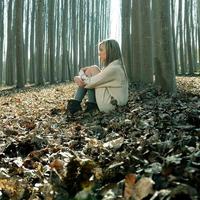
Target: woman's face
(102,53)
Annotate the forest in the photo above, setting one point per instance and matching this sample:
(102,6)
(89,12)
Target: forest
(146,149)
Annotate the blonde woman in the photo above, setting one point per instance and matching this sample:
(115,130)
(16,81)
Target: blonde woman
(102,86)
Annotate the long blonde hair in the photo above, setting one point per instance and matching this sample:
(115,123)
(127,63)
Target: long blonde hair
(113,52)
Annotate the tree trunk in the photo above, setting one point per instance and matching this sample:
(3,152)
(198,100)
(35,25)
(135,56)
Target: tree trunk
(75,37)
(58,34)
(125,12)
(146,44)
(10,48)
(32,45)
(40,41)
(26,42)
(136,31)
(174,38)
(19,44)
(64,76)
(181,57)
(164,63)
(51,42)
(1,39)
(189,41)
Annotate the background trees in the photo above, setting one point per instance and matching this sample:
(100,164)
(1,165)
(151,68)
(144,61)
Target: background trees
(54,38)
(162,38)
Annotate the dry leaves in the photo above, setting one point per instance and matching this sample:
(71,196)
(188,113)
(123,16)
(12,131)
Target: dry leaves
(55,156)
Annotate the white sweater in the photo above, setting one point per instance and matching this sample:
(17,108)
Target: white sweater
(110,82)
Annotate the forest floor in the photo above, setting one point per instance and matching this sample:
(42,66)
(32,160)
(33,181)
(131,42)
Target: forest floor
(149,149)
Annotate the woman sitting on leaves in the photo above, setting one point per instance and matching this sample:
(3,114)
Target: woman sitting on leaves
(102,86)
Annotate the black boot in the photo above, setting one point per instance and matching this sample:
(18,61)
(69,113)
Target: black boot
(73,106)
(90,107)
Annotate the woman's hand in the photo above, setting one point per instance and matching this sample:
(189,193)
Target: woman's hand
(79,81)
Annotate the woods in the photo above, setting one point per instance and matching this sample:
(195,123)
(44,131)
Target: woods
(48,41)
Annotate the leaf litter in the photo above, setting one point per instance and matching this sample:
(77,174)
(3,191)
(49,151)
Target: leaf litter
(148,149)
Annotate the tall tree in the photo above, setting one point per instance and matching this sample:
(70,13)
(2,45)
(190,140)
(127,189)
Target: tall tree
(58,39)
(180,23)
(146,44)
(40,42)
(163,58)
(1,38)
(51,40)
(198,28)
(10,47)
(19,44)
(81,33)
(75,36)
(125,12)
(136,39)
(32,45)
(65,66)
(174,36)
(26,40)
(188,37)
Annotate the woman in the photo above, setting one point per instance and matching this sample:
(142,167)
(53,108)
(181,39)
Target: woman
(110,83)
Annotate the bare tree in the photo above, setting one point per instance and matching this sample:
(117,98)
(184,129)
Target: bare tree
(51,40)
(136,39)
(10,47)
(19,43)
(125,12)
(163,58)
(1,38)
(146,43)
(40,42)
(32,45)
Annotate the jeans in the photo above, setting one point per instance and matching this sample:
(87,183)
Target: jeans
(81,92)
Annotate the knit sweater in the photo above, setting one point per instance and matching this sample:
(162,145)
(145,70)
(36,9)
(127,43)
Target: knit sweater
(110,83)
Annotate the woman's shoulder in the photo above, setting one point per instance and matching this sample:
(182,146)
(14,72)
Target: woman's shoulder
(116,62)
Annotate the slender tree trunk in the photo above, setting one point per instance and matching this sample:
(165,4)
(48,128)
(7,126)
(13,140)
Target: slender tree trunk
(146,44)
(58,33)
(87,33)
(51,41)
(136,31)
(198,21)
(19,43)
(1,39)
(189,41)
(81,33)
(26,42)
(125,12)
(40,41)
(192,28)
(75,37)
(64,76)
(182,63)
(10,47)
(32,45)
(174,38)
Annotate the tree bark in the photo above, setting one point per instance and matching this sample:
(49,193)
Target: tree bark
(164,63)
(19,43)
(40,42)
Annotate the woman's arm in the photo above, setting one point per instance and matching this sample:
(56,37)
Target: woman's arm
(105,76)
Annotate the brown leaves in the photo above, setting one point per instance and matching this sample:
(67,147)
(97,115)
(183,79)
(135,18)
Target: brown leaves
(57,164)
(89,156)
(130,180)
(139,190)
(12,188)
